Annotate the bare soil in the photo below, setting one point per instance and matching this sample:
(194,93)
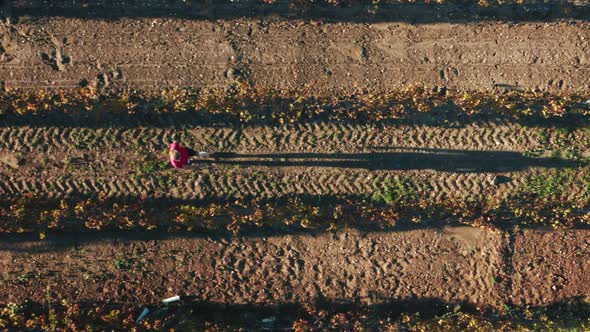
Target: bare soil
(477,267)
(333,57)
(549,266)
(458,264)
(314,159)
(465,265)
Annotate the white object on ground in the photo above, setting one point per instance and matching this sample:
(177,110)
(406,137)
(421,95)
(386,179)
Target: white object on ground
(142,315)
(203,154)
(171,299)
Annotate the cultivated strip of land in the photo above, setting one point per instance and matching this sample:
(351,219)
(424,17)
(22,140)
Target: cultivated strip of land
(314,159)
(466,265)
(333,57)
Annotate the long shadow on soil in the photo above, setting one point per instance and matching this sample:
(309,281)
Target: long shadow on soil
(70,239)
(286,314)
(458,161)
(195,312)
(74,234)
(348,11)
(447,115)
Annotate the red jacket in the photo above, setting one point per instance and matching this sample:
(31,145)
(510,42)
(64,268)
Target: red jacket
(183,155)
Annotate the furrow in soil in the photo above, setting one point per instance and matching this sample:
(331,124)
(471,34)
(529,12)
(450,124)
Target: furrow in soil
(232,183)
(323,137)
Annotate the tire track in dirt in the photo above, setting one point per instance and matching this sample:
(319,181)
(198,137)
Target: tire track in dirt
(317,137)
(314,159)
(229,183)
(368,268)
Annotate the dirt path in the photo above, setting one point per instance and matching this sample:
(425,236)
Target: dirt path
(452,265)
(161,52)
(549,266)
(476,267)
(220,185)
(318,159)
(316,137)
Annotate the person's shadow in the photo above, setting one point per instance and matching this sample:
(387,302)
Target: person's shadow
(417,159)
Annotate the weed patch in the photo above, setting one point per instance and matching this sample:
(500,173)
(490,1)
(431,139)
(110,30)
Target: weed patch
(246,104)
(538,202)
(549,186)
(393,191)
(123,264)
(195,317)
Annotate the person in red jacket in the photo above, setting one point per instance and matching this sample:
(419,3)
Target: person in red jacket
(180,156)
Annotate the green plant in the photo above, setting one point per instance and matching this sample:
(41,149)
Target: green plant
(52,317)
(570,154)
(25,276)
(13,308)
(391,192)
(150,166)
(542,136)
(562,131)
(123,264)
(546,186)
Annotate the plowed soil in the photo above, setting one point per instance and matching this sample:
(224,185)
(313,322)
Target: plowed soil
(548,266)
(454,265)
(477,267)
(65,53)
(267,162)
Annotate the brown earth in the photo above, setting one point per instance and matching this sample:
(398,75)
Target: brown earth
(453,265)
(315,159)
(333,57)
(550,265)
